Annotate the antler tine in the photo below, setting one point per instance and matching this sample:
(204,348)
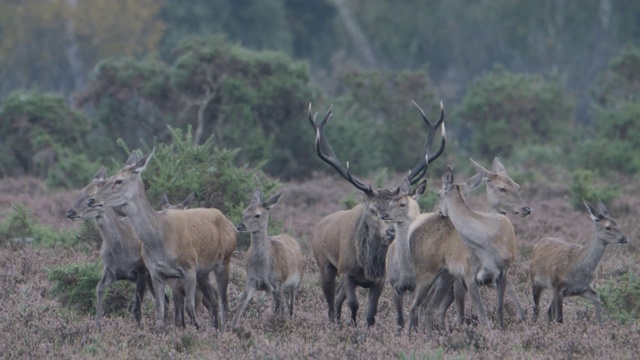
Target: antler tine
(420,168)
(326,153)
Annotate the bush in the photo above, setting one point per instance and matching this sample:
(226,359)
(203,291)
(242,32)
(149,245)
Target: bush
(583,186)
(21,227)
(180,168)
(620,297)
(74,285)
(504,111)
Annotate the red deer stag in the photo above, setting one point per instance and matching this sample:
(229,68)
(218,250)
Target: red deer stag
(177,244)
(352,244)
(274,263)
(569,269)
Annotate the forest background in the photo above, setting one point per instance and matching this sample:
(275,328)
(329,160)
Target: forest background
(221,89)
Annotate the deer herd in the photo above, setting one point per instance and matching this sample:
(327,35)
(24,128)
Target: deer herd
(436,258)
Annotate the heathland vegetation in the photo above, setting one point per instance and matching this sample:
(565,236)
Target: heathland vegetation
(219,91)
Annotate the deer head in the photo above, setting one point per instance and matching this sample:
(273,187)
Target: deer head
(503,194)
(256,216)
(607,229)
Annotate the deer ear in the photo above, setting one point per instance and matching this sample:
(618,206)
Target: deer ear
(272,201)
(593,213)
(484,173)
(133,158)
(101,174)
(447,178)
(498,166)
(405,187)
(141,165)
(602,209)
(418,191)
(164,201)
(186,202)
(473,182)
(256,198)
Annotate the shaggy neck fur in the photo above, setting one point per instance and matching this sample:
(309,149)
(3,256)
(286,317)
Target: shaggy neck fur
(371,247)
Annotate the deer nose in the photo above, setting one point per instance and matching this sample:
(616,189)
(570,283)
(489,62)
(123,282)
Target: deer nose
(241,227)
(526,211)
(622,241)
(71,214)
(90,202)
(391,234)
(385,217)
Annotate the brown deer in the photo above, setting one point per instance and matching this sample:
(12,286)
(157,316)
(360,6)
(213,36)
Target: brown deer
(166,205)
(490,239)
(569,269)
(402,211)
(274,263)
(437,252)
(177,244)
(352,244)
(503,196)
(120,250)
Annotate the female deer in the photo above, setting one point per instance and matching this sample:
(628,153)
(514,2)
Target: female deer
(569,269)
(274,263)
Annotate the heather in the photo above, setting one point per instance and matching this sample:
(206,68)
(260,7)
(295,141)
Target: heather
(36,321)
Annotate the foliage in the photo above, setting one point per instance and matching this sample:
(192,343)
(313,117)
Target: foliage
(621,297)
(584,186)
(375,125)
(244,99)
(74,285)
(20,227)
(43,137)
(620,82)
(503,111)
(180,168)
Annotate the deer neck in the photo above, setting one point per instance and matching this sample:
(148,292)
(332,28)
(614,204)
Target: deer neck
(258,255)
(590,256)
(144,219)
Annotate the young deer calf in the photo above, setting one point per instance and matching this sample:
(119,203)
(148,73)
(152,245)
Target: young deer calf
(568,269)
(273,263)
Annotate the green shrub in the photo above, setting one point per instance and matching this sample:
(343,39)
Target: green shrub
(21,227)
(503,111)
(584,186)
(74,285)
(621,297)
(180,168)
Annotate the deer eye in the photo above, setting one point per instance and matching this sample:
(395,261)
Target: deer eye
(608,227)
(403,205)
(118,182)
(372,211)
(502,190)
(256,216)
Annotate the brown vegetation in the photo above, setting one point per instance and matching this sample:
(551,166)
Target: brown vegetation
(34,324)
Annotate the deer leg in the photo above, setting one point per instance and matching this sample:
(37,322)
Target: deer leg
(444,305)
(107,279)
(440,290)
(501,286)
(590,294)
(476,301)
(536,290)
(247,294)
(398,300)
(328,280)
(189,281)
(341,296)
(420,294)
(372,307)
(178,304)
(147,277)
(292,300)
(141,287)
(349,288)
(558,309)
(460,293)
(513,295)
(209,294)
(222,282)
(158,287)
(277,300)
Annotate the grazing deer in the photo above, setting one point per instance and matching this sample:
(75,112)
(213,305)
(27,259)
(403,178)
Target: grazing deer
(402,210)
(569,269)
(274,263)
(177,244)
(352,244)
(490,239)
